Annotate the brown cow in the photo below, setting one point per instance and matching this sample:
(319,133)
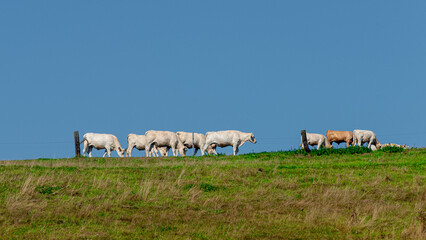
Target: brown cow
(340,136)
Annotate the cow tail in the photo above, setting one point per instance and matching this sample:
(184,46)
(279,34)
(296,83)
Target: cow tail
(83,141)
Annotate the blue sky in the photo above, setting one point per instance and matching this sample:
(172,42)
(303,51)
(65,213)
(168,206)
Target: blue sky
(267,67)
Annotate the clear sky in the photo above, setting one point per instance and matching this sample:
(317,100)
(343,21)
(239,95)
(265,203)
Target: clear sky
(267,67)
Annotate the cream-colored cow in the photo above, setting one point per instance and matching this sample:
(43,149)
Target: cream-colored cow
(99,141)
(139,142)
(228,138)
(199,141)
(164,139)
(316,139)
(363,136)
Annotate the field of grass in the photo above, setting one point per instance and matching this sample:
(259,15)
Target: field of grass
(278,195)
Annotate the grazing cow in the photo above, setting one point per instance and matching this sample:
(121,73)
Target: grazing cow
(395,145)
(340,136)
(99,141)
(139,142)
(316,139)
(228,138)
(164,139)
(363,136)
(199,141)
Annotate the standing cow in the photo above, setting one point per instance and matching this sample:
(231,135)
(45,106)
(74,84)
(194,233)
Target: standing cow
(316,139)
(363,136)
(199,141)
(228,138)
(139,142)
(99,141)
(164,139)
(340,136)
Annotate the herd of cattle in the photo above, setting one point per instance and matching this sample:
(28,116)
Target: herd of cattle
(158,143)
(357,137)
(162,141)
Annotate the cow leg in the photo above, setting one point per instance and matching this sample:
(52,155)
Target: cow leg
(214,151)
(105,153)
(320,143)
(174,151)
(90,151)
(206,145)
(129,151)
(85,148)
(148,148)
(235,147)
(370,142)
(154,151)
(195,151)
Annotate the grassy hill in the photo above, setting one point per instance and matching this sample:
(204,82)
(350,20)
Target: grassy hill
(279,195)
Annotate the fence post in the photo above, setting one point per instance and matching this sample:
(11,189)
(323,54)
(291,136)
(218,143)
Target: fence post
(193,148)
(305,141)
(77,144)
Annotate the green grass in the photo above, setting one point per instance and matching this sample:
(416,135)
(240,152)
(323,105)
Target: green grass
(348,193)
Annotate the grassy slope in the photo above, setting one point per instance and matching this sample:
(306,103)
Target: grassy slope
(264,195)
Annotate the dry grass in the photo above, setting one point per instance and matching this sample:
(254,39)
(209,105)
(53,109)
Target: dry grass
(258,196)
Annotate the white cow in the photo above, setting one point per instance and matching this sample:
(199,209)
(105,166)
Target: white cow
(99,141)
(363,136)
(228,138)
(316,139)
(164,139)
(199,141)
(139,142)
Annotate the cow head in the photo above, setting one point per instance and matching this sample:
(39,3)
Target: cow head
(163,151)
(211,149)
(252,139)
(182,150)
(120,152)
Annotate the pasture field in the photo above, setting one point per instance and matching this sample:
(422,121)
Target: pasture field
(275,195)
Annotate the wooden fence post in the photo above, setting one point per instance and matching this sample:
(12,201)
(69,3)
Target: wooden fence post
(77,144)
(305,141)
